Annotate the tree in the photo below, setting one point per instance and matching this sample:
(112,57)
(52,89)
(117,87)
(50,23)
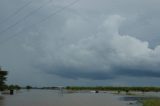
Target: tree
(28,87)
(3,78)
(14,87)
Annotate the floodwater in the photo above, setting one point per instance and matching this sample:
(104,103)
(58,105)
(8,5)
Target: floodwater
(55,98)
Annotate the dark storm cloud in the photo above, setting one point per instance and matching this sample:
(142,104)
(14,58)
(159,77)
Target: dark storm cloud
(114,73)
(135,72)
(79,74)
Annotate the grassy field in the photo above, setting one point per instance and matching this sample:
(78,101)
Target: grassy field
(151,102)
(127,89)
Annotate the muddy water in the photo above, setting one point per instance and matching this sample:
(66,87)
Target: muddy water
(55,98)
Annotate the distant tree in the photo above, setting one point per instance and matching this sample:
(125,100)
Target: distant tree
(127,91)
(28,87)
(3,78)
(14,87)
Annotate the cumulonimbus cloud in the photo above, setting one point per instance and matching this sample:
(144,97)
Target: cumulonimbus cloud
(107,55)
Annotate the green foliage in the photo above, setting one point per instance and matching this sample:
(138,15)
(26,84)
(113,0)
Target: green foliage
(119,89)
(28,87)
(151,102)
(14,87)
(3,78)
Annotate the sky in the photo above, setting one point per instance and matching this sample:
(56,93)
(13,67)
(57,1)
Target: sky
(80,42)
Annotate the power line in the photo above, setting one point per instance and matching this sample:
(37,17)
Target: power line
(44,19)
(65,7)
(15,13)
(28,15)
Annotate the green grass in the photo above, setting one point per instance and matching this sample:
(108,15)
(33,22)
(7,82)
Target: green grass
(151,102)
(110,88)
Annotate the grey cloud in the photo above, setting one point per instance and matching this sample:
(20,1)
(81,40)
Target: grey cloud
(97,57)
(86,40)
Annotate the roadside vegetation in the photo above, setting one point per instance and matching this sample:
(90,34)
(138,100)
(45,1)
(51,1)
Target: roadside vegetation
(3,78)
(151,102)
(3,85)
(119,89)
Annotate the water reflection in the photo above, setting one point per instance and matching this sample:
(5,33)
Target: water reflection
(1,100)
(60,98)
(130,98)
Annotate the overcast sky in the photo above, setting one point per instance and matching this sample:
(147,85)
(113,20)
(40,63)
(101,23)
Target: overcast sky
(83,42)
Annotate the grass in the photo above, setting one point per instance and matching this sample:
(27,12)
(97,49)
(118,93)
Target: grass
(110,88)
(151,102)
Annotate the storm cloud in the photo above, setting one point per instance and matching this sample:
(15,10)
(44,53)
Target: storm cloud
(107,54)
(93,41)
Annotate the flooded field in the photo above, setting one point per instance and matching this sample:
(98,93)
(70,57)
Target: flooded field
(56,98)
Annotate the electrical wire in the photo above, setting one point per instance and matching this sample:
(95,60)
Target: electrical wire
(28,15)
(15,13)
(44,19)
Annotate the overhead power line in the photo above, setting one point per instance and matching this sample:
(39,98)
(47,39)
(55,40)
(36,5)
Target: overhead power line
(15,13)
(28,15)
(65,7)
(44,19)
